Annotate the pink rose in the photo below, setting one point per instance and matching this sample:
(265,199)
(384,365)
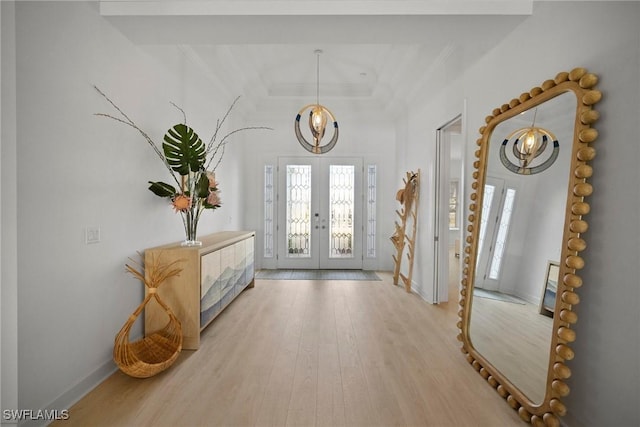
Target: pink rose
(214,198)
(212,180)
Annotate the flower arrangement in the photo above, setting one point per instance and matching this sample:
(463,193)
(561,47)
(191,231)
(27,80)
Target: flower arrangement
(190,164)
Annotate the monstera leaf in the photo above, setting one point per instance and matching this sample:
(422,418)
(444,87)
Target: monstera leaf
(162,189)
(202,186)
(183,149)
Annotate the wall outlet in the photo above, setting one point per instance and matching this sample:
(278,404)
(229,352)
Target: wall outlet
(92,235)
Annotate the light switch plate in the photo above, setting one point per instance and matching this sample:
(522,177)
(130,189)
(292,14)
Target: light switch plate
(92,235)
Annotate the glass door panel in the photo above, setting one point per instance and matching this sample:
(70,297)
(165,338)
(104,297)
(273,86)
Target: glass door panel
(342,210)
(298,213)
(495,221)
(502,231)
(487,203)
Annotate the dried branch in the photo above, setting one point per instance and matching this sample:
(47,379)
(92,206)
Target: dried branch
(157,271)
(212,148)
(184,116)
(131,123)
(223,142)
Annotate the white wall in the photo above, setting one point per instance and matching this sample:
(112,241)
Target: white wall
(417,151)
(76,170)
(604,38)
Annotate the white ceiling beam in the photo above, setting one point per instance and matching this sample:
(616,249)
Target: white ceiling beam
(314,7)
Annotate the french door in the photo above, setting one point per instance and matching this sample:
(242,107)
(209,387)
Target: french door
(320,213)
(495,221)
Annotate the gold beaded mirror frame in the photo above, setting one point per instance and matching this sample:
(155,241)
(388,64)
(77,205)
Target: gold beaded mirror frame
(545,410)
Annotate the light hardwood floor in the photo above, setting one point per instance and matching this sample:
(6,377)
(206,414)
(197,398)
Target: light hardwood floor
(516,339)
(326,353)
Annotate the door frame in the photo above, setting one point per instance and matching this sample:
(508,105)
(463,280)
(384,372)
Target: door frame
(442,174)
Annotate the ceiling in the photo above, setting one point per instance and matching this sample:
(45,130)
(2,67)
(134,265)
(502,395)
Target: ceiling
(376,54)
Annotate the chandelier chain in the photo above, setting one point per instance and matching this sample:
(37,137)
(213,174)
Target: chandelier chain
(318,77)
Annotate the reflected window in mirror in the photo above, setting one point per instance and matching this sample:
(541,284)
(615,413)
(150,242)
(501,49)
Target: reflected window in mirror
(453,205)
(489,191)
(502,231)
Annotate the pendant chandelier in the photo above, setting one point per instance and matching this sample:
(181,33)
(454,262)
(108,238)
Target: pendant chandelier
(528,144)
(319,115)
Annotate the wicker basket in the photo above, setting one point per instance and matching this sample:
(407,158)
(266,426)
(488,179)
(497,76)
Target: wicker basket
(159,350)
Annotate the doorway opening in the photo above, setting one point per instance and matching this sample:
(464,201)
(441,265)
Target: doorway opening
(449,178)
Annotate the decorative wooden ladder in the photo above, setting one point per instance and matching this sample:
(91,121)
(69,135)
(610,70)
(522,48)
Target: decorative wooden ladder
(408,198)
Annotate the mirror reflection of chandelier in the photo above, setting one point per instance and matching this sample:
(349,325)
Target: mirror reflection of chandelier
(319,115)
(528,144)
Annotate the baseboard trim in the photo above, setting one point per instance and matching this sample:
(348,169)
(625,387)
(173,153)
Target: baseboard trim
(418,291)
(70,397)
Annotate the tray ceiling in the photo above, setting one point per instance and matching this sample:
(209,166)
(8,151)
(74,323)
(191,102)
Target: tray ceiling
(376,54)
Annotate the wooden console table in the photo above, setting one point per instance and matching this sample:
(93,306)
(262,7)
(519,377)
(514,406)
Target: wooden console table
(212,276)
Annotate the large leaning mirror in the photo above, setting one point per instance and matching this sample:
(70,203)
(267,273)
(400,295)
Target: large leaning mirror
(526,214)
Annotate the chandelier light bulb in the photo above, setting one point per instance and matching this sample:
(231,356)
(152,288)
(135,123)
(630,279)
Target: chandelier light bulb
(318,122)
(530,142)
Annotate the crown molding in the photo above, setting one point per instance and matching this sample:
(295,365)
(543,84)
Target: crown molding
(314,7)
